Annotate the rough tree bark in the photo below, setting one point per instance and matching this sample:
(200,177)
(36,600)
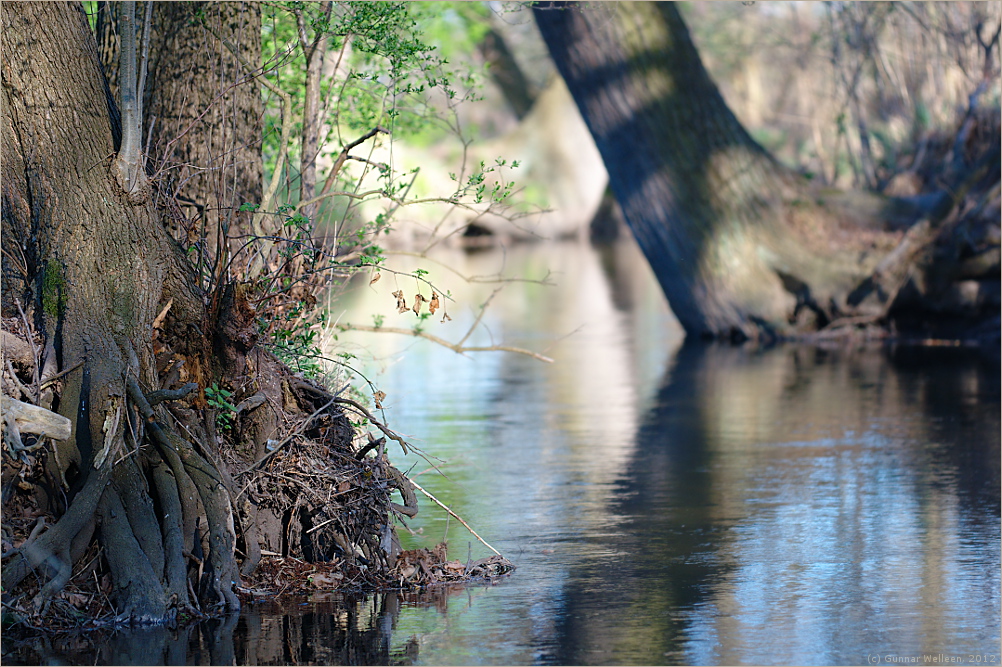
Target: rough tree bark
(205,110)
(740,245)
(123,314)
(97,266)
(103,264)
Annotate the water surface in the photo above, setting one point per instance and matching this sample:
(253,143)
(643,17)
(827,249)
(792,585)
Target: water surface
(664,504)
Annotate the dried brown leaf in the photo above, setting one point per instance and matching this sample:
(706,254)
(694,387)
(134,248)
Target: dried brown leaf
(375,278)
(158,321)
(417,303)
(445,317)
(401,302)
(76,599)
(328,580)
(454,567)
(379,397)
(433,304)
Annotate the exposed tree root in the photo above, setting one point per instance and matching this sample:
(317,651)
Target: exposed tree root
(311,497)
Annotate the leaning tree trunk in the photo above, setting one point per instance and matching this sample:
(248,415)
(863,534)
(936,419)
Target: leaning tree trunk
(506,73)
(740,245)
(97,265)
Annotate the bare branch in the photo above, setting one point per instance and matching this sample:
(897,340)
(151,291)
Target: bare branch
(453,514)
(129,171)
(343,155)
(480,316)
(458,348)
(496,278)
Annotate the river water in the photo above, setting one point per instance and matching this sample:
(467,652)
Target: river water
(663,503)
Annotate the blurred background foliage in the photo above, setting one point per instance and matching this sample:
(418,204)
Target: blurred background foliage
(853,93)
(881,96)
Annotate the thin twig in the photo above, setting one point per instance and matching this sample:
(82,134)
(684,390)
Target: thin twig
(34,354)
(22,390)
(61,374)
(343,155)
(496,278)
(458,518)
(480,316)
(286,132)
(455,347)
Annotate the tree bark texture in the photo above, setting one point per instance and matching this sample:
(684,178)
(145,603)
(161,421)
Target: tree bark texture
(205,109)
(739,244)
(99,267)
(118,302)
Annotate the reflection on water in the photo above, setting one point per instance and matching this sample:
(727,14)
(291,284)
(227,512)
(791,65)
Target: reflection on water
(801,506)
(666,504)
(329,630)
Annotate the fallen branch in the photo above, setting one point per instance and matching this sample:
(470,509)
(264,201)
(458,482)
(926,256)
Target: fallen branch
(368,415)
(26,418)
(60,374)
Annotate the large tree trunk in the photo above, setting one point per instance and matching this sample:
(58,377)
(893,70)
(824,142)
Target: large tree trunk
(119,307)
(740,245)
(102,265)
(202,110)
(205,110)
(98,267)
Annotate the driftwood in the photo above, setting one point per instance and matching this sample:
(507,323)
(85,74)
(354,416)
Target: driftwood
(19,417)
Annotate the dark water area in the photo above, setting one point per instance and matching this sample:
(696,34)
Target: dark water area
(664,503)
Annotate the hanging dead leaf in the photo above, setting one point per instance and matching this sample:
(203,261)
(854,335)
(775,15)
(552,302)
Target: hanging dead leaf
(433,304)
(417,303)
(379,397)
(445,317)
(401,303)
(375,278)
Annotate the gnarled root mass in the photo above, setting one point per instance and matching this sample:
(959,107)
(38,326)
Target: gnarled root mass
(188,511)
